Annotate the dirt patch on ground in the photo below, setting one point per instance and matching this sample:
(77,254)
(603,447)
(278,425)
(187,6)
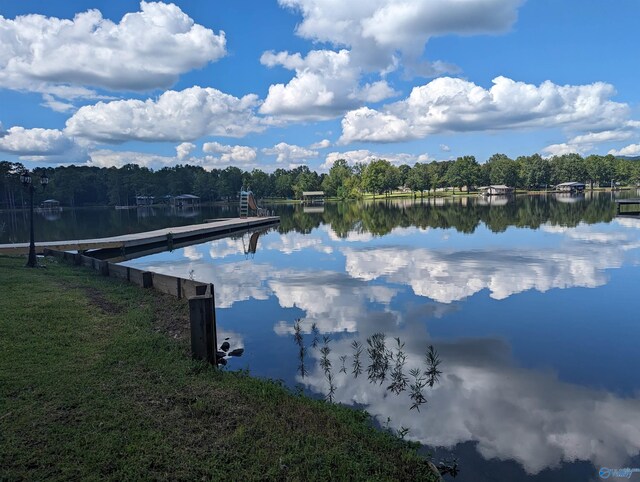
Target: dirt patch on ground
(171,316)
(97,299)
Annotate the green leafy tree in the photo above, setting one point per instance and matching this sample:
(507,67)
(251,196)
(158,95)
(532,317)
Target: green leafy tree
(419,178)
(463,172)
(260,183)
(503,170)
(567,167)
(535,171)
(438,173)
(392,178)
(600,169)
(205,185)
(10,183)
(338,175)
(305,181)
(625,170)
(230,182)
(374,177)
(404,174)
(282,183)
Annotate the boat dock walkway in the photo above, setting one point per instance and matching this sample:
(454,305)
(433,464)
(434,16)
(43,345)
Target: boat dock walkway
(166,236)
(633,203)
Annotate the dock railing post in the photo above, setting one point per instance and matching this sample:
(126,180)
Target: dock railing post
(203,327)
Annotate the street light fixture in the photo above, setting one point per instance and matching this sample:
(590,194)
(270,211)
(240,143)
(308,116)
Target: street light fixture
(27,182)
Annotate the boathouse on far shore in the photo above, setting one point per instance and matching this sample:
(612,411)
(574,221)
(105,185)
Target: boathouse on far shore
(313,197)
(495,190)
(570,187)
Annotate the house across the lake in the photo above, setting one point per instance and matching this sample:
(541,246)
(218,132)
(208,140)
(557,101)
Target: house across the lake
(571,187)
(185,201)
(495,190)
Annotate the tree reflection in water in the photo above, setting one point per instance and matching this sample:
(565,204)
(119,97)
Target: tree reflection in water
(464,214)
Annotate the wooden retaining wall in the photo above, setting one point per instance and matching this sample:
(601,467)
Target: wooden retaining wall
(200,296)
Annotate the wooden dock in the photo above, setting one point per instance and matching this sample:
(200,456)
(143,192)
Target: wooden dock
(138,241)
(634,203)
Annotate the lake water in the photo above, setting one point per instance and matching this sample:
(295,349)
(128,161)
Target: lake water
(532,304)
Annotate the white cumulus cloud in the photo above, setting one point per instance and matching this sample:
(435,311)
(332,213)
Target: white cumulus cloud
(630,150)
(325,85)
(110,158)
(366,156)
(42,145)
(450,104)
(584,143)
(175,116)
(377,31)
(147,49)
(35,142)
(287,152)
(323,144)
(183,150)
(229,154)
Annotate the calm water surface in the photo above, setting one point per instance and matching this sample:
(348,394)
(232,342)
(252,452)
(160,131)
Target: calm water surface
(532,304)
(88,223)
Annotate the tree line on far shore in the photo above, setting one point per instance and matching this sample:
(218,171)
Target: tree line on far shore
(92,186)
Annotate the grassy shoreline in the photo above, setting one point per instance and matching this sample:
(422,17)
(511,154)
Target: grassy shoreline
(96,383)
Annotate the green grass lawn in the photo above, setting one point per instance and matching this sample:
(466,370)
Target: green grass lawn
(96,382)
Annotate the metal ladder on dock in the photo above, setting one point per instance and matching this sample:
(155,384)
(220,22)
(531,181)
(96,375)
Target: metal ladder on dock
(244,204)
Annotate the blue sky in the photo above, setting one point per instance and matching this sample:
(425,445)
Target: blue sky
(268,84)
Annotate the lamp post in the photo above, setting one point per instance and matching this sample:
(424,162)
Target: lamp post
(27,182)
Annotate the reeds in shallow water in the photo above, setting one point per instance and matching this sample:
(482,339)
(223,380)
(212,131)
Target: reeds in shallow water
(379,357)
(384,364)
(399,380)
(357,365)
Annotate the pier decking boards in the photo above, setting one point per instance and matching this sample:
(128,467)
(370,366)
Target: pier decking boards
(633,203)
(136,241)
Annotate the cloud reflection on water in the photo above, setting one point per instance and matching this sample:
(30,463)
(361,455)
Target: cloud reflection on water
(579,259)
(512,413)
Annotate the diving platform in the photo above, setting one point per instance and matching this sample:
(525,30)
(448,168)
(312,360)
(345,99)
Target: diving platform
(139,241)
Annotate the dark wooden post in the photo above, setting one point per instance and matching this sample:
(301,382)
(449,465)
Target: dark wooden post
(203,327)
(103,267)
(32,261)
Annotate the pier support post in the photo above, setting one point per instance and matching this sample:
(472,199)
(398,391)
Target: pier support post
(203,327)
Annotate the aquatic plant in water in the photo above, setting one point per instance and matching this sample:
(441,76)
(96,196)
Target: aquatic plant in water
(433,362)
(297,336)
(343,367)
(399,380)
(383,363)
(325,363)
(415,393)
(316,335)
(357,365)
(377,351)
